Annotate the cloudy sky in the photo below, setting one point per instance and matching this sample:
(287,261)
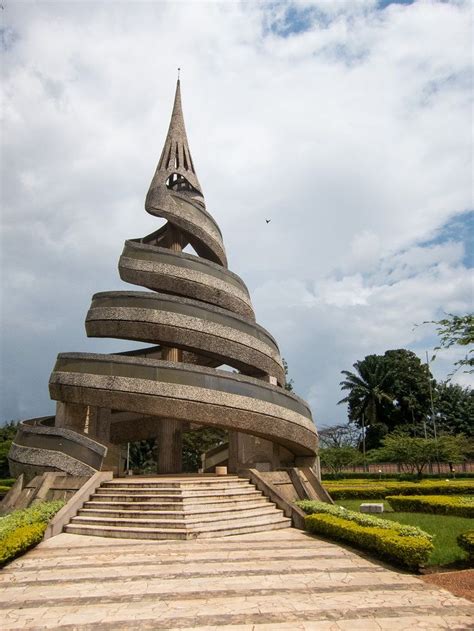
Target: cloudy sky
(345,122)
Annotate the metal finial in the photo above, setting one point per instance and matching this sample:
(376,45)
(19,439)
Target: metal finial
(179,70)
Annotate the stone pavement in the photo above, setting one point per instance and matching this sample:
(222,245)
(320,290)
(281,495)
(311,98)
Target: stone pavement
(282,580)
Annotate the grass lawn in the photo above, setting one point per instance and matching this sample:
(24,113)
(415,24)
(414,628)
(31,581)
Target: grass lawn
(445,528)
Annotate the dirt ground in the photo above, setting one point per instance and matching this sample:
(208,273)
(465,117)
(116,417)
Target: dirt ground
(458,583)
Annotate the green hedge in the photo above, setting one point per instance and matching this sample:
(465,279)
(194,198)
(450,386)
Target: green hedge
(436,504)
(311,507)
(381,490)
(412,551)
(5,485)
(466,542)
(24,528)
(410,477)
(20,540)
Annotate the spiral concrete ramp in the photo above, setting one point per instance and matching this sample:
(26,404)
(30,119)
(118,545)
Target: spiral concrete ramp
(197,315)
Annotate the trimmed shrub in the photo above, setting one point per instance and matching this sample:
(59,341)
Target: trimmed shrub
(37,513)
(412,551)
(436,504)
(358,492)
(350,491)
(22,529)
(312,507)
(466,542)
(411,477)
(7,481)
(20,540)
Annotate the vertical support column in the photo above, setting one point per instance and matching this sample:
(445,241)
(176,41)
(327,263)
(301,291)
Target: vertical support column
(251,452)
(170,434)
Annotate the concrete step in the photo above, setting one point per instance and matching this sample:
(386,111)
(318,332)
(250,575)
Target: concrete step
(189,491)
(204,504)
(176,508)
(154,533)
(126,533)
(173,519)
(96,510)
(137,496)
(156,483)
(242,530)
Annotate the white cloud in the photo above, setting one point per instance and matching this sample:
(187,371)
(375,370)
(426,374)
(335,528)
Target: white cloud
(352,136)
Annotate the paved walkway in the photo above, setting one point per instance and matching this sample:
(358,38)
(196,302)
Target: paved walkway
(282,580)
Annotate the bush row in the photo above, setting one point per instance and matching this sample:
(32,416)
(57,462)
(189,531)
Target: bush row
(397,477)
(466,542)
(460,506)
(20,540)
(412,551)
(311,507)
(22,529)
(380,491)
(5,485)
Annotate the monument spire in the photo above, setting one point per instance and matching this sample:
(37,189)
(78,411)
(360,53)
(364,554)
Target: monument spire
(176,194)
(176,155)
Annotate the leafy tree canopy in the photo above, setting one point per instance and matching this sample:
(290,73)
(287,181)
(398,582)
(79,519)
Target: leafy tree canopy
(414,454)
(454,407)
(289,382)
(456,330)
(386,391)
(344,435)
(336,458)
(143,453)
(7,434)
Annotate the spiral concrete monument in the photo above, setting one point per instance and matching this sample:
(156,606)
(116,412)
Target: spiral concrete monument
(197,315)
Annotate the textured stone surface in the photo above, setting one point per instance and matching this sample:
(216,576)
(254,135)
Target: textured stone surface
(371,508)
(283,580)
(47,459)
(186,275)
(188,403)
(227,345)
(80,439)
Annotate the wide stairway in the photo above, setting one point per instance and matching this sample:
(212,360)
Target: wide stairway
(184,507)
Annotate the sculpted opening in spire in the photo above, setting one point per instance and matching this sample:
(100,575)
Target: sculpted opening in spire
(176,163)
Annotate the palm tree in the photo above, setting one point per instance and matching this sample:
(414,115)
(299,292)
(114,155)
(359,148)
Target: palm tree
(367,391)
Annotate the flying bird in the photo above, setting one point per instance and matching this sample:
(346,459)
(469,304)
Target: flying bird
(268,220)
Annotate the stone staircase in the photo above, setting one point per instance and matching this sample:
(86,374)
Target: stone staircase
(176,508)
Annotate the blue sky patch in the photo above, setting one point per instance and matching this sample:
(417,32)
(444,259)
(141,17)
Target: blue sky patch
(294,20)
(383,4)
(459,228)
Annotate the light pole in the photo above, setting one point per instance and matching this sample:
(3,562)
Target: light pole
(433,416)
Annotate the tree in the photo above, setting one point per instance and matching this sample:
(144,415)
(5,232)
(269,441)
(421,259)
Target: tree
(367,388)
(289,382)
(455,408)
(410,382)
(198,441)
(347,435)
(143,456)
(7,434)
(414,454)
(456,330)
(143,453)
(336,458)
(389,391)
